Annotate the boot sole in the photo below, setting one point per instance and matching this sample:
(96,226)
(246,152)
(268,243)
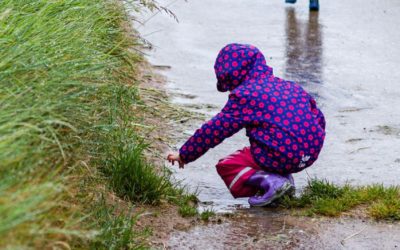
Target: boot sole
(285,188)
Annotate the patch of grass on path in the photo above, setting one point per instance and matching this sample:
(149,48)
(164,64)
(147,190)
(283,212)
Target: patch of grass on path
(324,198)
(207,214)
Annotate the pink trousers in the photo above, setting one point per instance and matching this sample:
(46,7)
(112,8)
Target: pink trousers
(235,169)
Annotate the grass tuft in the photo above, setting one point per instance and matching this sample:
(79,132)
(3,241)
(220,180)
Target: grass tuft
(187,210)
(324,198)
(132,178)
(117,230)
(207,214)
(187,203)
(389,209)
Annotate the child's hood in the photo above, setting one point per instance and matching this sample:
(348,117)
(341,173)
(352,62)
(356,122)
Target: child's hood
(238,63)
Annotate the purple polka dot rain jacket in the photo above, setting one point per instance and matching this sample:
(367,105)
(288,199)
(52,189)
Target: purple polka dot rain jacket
(286,130)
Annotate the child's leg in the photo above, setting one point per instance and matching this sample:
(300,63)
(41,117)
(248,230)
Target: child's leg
(235,170)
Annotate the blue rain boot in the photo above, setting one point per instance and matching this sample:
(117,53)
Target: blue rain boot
(290,1)
(314,5)
(273,185)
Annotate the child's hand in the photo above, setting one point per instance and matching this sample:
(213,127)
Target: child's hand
(172,157)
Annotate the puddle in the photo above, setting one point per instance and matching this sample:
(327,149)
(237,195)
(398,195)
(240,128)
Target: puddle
(248,231)
(263,229)
(348,66)
(359,235)
(387,130)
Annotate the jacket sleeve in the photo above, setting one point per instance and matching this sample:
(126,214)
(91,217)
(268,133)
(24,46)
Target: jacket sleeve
(210,134)
(317,113)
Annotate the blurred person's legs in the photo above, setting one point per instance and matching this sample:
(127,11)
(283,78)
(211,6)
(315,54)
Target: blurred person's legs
(314,5)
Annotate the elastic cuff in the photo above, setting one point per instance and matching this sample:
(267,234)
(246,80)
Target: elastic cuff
(182,158)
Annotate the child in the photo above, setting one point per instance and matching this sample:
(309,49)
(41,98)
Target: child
(285,128)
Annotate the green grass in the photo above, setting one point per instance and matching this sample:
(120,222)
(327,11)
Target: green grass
(118,229)
(324,198)
(135,179)
(187,210)
(187,203)
(69,105)
(207,214)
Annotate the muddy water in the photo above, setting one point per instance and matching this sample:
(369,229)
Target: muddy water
(347,55)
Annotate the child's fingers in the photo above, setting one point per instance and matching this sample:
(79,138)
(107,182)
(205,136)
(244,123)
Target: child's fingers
(169,157)
(172,158)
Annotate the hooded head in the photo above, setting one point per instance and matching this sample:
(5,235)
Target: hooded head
(238,63)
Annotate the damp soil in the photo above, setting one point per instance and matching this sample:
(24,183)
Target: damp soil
(346,55)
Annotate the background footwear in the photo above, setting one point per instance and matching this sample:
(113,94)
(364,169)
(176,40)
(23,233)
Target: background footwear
(314,5)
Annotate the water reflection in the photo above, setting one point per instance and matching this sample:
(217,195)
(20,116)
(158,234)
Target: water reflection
(303,48)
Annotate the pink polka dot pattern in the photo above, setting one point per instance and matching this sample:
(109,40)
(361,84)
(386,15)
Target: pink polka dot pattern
(286,130)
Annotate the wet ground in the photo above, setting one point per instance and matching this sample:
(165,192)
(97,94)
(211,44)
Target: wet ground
(347,55)
(247,231)
(268,229)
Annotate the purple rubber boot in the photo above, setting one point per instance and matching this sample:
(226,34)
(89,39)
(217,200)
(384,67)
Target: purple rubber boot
(273,185)
(292,190)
